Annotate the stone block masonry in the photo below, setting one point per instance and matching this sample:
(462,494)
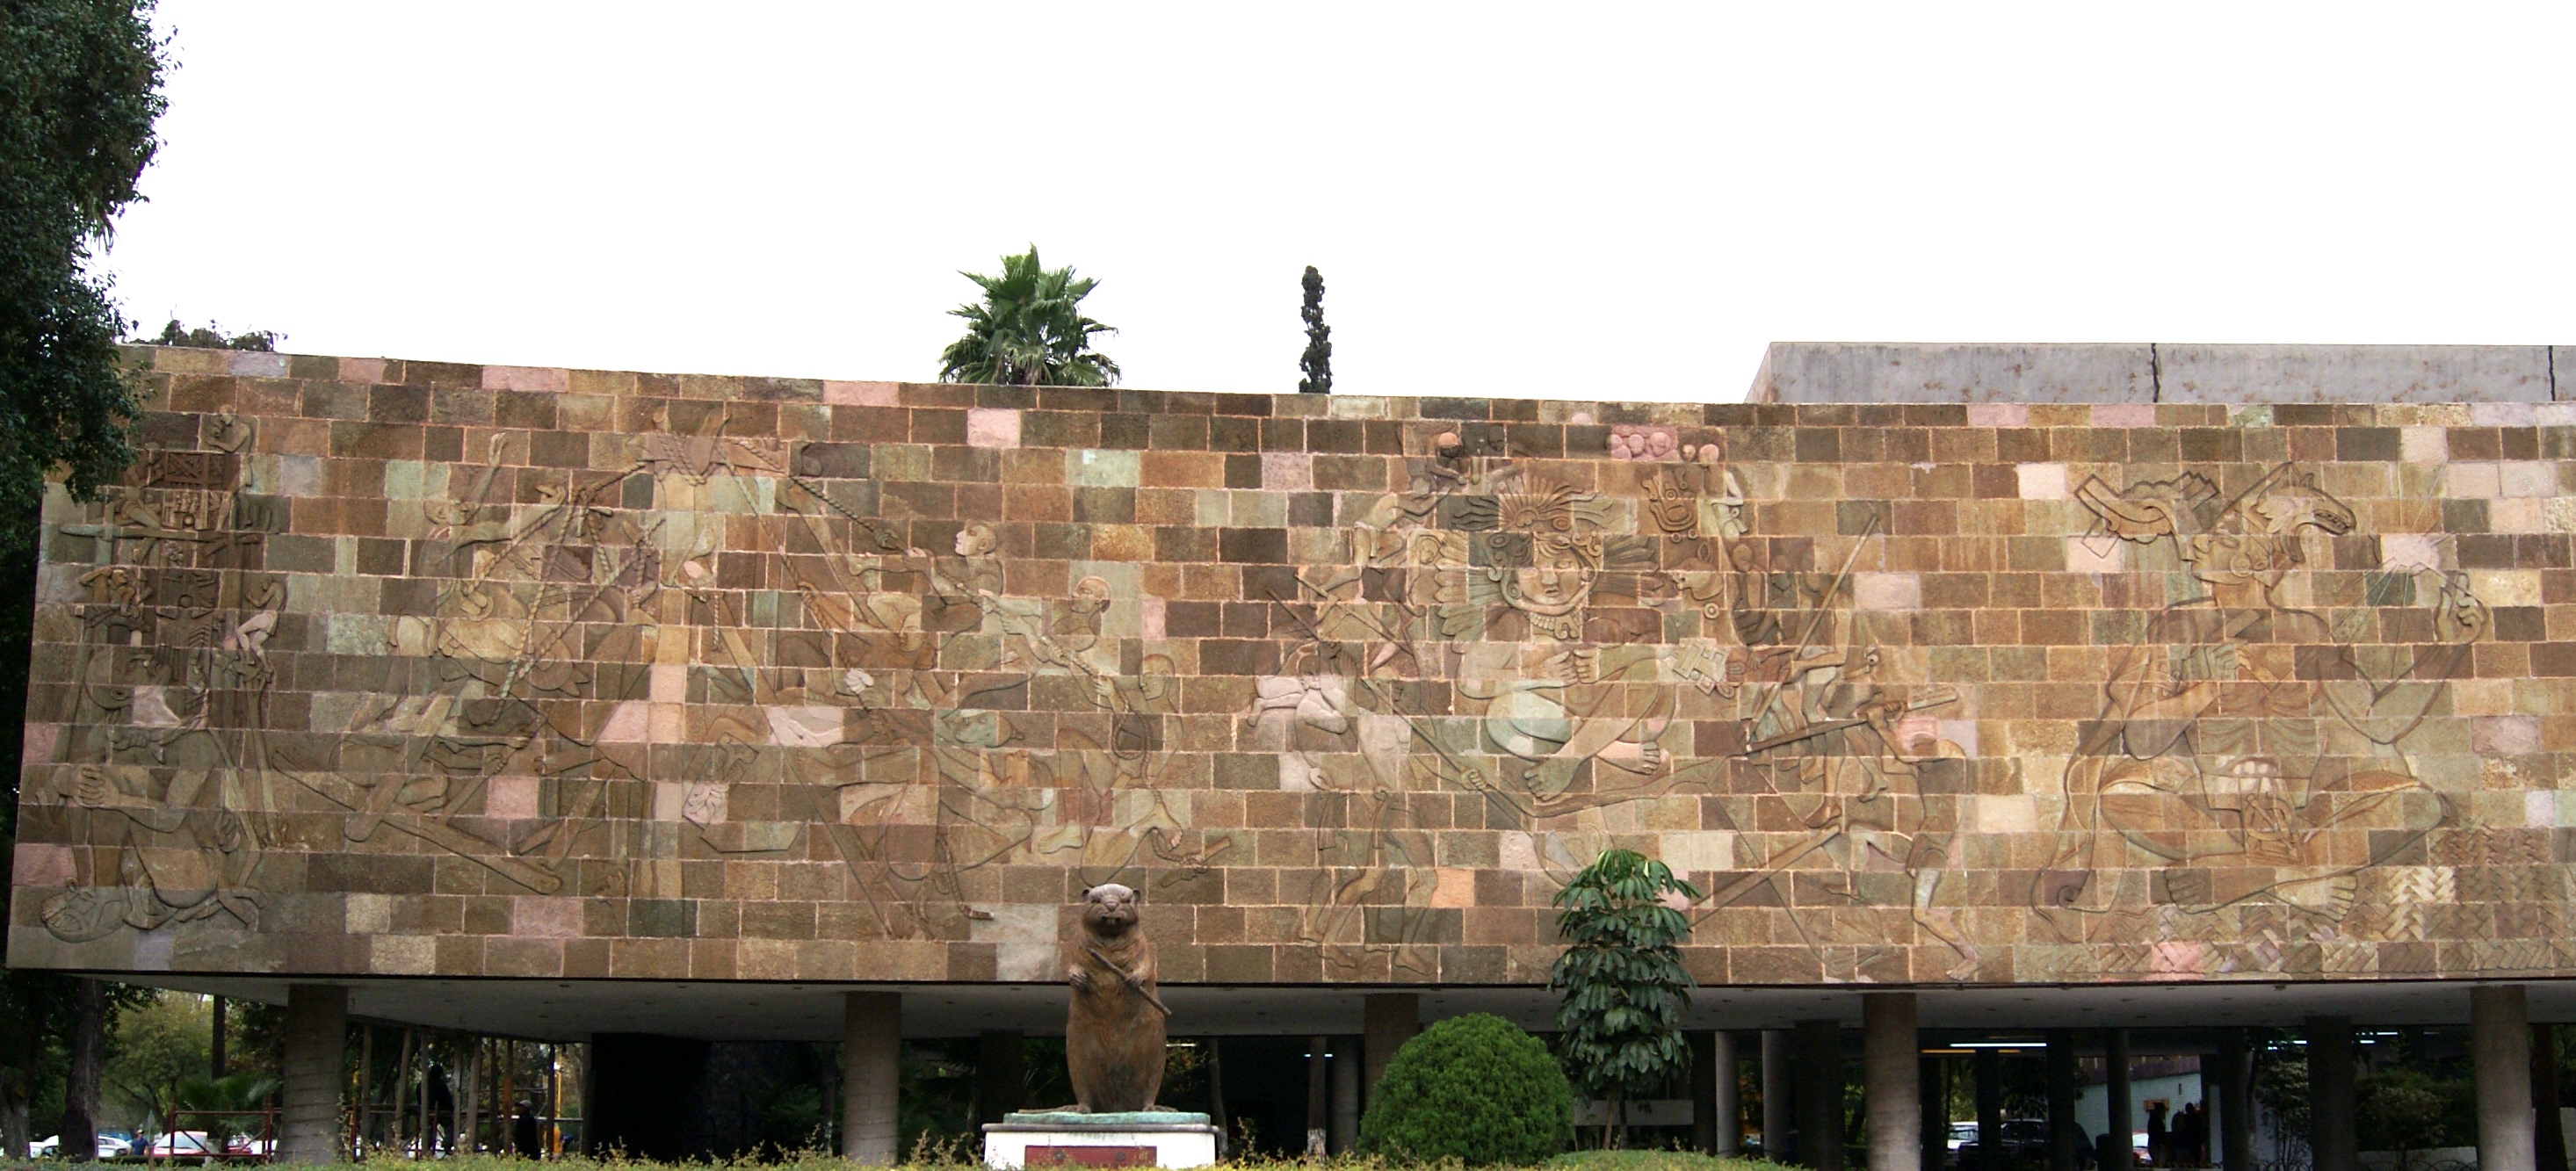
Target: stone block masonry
(377,667)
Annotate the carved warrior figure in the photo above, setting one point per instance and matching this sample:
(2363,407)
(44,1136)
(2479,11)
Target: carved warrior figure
(2242,744)
(1113,1036)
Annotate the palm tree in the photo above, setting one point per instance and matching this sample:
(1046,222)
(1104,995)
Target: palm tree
(1029,330)
(226,1108)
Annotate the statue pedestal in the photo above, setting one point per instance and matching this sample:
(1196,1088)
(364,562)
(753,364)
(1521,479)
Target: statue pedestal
(1143,1138)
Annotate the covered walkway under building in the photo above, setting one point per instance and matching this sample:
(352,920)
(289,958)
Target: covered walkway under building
(1803,1046)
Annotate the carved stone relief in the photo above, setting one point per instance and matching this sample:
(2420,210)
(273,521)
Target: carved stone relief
(840,695)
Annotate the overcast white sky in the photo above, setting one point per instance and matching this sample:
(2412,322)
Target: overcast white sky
(1571,200)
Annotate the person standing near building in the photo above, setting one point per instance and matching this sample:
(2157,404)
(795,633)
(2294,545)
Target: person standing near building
(526,1139)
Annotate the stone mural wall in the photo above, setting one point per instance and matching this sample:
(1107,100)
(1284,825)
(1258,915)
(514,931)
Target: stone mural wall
(416,668)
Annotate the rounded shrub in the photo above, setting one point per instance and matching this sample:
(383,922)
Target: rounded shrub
(1475,1089)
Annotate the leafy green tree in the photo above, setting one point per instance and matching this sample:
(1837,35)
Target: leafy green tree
(1475,1089)
(211,336)
(80,87)
(2401,1109)
(1028,330)
(1317,362)
(1621,979)
(153,1048)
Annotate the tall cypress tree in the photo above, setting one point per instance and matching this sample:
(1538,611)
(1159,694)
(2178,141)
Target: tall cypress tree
(1318,359)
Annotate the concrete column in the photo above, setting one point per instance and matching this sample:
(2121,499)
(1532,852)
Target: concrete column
(2064,1137)
(1346,1094)
(1891,1082)
(2236,1103)
(1779,1095)
(2500,1050)
(871,1067)
(1725,1104)
(2121,1124)
(317,1033)
(1319,1096)
(1703,1089)
(1391,1018)
(2330,1104)
(1990,1110)
(1820,1095)
(2549,1136)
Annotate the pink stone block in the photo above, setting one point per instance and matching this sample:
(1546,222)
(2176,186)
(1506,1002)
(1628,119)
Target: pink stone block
(1456,888)
(1887,591)
(2505,735)
(2097,554)
(1287,471)
(2043,481)
(540,379)
(2177,960)
(1998,414)
(1960,732)
(252,364)
(630,723)
(860,394)
(511,798)
(2124,415)
(2528,478)
(2504,414)
(34,866)
(1151,619)
(992,427)
(2471,481)
(1917,734)
(365,371)
(2407,552)
(38,746)
(549,918)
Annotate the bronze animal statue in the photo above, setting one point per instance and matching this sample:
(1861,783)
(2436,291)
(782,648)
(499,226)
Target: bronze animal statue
(1113,1035)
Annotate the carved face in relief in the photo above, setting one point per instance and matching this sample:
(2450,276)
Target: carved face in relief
(2257,540)
(975,540)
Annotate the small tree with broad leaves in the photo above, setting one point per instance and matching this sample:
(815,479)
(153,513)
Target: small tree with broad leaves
(1621,979)
(1317,361)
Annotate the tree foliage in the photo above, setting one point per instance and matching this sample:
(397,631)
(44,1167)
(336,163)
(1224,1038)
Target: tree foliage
(211,336)
(1621,979)
(1317,361)
(227,1107)
(1475,1089)
(80,87)
(151,1049)
(1028,330)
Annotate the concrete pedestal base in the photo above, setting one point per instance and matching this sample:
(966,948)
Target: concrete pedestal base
(1146,1138)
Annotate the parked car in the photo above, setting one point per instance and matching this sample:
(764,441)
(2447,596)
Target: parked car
(109,1146)
(180,1144)
(2024,1143)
